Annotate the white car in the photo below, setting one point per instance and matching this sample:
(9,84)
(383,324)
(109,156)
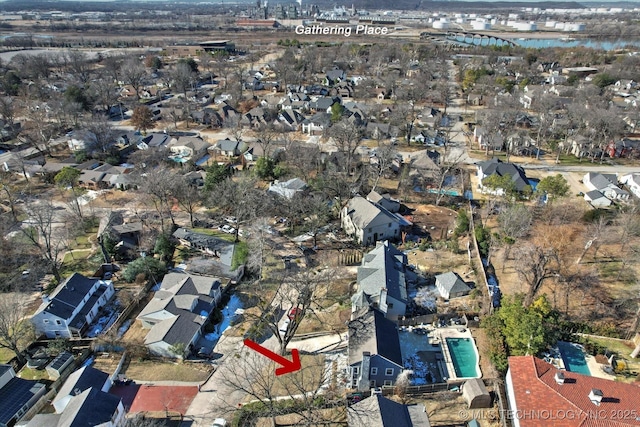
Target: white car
(285,326)
(228,229)
(219,422)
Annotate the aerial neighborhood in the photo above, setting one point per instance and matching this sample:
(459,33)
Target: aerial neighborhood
(254,214)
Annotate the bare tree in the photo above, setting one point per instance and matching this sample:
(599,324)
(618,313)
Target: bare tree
(188,196)
(515,222)
(347,139)
(133,73)
(238,198)
(41,231)
(535,265)
(78,64)
(383,161)
(158,184)
(105,134)
(15,332)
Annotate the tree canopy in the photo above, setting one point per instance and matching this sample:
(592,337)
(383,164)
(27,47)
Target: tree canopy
(554,186)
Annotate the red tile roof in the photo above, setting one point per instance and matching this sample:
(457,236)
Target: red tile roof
(541,401)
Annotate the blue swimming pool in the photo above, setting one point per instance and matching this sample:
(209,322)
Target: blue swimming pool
(463,356)
(573,358)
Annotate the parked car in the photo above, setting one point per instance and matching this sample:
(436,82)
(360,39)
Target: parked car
(285,326)
(219,422)
(294,312)
(231,219)
(228,229)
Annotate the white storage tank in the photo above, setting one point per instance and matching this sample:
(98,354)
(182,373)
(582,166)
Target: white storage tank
(442,24)
(480,25)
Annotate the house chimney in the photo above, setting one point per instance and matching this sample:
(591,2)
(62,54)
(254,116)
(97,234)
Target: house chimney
(365,367)
(595,396)
(559,377)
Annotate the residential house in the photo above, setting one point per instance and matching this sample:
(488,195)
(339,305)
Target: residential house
(256,117)
(84,400)
(368,222)
(632,182)
(17,395)
(375,358)
(382,282)
(228,113)
(81,140)
(72,306)
(208,117)
(334,76)
(178,312)
(153,140)
(81,380)
(288,189)
(229,148)
(379,411)
(450,285)
(605,184)
(385,200)
(496,166)
(487,141)
(316,124)
(536,387)
(625,147)
(290,120)
(323,104)
(196,178)
(293,101)
(210,245)
(103,176)
(187,148)
(597,199)
(424,171)
(380,130)
(343,89)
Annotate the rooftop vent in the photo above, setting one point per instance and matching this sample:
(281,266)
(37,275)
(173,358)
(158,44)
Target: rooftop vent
(595,396)
(559,377)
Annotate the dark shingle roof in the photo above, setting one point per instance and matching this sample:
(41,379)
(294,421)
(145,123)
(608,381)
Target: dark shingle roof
(69,295)
(376,334)
(81,380)
(378,411)
(496,166)
(15,394)
(90,408)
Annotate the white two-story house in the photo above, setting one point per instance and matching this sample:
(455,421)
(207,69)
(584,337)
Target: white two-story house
(72,307)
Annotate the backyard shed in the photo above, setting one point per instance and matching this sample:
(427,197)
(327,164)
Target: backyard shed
(476,394)
(59,364)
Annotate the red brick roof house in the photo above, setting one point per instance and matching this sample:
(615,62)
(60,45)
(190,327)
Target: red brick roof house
(539,394)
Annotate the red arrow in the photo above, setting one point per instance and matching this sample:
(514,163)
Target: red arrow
(288,366)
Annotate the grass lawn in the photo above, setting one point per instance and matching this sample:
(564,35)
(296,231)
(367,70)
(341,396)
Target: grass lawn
(33,374)
(158,370)
(216,233)
(622,348)
(80,263)
(6,355)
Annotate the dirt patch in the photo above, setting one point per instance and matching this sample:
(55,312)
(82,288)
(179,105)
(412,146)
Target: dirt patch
(163,370)
(436,221)
(486,367)
(334,417)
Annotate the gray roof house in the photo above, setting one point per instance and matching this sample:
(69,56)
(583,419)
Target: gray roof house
(187,148)
(17,395)
(210,245)
(91,407)
(229,148)
(289,188)
(450,285)
(178,311)
(375,358)
(382,282)
(496,166)
(81,380)
(378,411)
(605,184)
(72,306)
(384,200)
(597,199)
(368,222)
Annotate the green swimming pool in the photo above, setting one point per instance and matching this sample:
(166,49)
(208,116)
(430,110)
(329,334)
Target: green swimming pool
(463,356)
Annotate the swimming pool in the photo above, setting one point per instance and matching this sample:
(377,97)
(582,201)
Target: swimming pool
(573,358)
(464,357)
